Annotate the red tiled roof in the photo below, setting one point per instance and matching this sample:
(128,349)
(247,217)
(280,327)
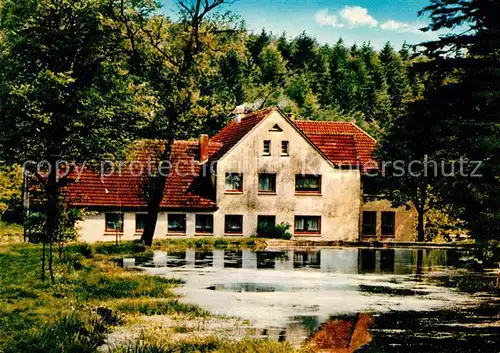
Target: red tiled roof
(185,187)
(341,142)
(339,149)
(365,144)
(233,132)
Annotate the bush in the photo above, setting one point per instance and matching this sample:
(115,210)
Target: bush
(278,231)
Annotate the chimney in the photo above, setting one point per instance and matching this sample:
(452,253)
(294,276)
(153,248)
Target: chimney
(239,112)
(203,148)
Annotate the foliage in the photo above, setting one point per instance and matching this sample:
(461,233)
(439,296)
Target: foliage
(275,231)
(11,180)
(65,93)
(10,232)
(456,116)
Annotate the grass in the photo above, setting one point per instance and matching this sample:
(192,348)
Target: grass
(10,232)
(210,344)
(92,294)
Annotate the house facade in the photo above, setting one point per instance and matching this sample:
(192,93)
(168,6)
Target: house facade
(262,168)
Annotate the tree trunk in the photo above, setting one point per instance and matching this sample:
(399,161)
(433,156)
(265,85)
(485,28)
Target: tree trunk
(43,259)
(156,194)
(420,226)
(52,214)
(420,262)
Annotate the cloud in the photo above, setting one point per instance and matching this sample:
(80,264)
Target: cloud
(393,25)
(323,18)
(357,16)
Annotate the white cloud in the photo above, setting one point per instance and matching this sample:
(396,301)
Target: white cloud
(357,16)
(323,18)
(393,25)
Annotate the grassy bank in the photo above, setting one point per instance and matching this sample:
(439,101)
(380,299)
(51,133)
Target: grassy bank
(93,295)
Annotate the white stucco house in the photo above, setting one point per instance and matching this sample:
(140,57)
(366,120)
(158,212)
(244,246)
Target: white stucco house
(262,168)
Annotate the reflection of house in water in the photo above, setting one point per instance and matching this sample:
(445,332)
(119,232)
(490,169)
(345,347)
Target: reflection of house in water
(343,335)
(270,260)
(204,259)
(340,261)
(233,259)
(302,259)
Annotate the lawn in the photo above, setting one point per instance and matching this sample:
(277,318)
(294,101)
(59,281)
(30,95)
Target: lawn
(93,295)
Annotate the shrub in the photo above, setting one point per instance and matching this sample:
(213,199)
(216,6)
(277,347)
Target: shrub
(278,231)
(84,249)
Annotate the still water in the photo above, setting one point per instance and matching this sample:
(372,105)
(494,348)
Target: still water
(338,300)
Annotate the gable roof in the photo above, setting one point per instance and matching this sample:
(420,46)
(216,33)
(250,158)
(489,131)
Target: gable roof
(365,144)
(185,187)
(234,131)
(341,143)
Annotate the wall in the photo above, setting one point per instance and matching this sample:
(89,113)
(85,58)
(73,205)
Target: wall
(338,204)
(404,221)
(92,228)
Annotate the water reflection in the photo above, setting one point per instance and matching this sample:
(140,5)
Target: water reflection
(333,300)
(341,261)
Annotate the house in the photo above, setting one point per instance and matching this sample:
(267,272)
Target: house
(262,168)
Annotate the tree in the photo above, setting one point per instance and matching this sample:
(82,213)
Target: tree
(408,176)
(466,108)
(182,63)
(396,74)
(65,93)
(11,180)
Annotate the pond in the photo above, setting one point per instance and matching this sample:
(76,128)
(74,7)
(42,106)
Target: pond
(341,299)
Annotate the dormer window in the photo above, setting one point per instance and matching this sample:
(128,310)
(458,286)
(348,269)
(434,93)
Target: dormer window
(284,148)
(267,148)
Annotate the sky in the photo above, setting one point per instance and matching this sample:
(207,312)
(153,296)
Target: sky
(356,21)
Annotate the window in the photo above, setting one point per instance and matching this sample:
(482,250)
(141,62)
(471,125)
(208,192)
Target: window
(284,148)
(140,222)
(267,183)
(369,223)
(267,148)
(204,223)
(233,224)
(308,183)
(264,222)
(388,223)
(308,224)
(177,223)
(114,222)
(370,185)
(234,182)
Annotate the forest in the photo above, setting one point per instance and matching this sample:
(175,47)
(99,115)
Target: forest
(81,79)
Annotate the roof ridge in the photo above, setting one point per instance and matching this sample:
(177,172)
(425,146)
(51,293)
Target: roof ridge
(363,131)
(324,121)
(260,111)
